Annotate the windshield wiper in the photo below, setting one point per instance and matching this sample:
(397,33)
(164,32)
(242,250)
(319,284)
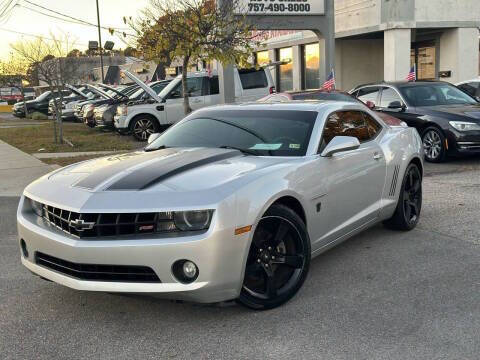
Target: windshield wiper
(244,151)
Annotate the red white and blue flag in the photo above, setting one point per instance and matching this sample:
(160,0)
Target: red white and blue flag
(412,75)
(330,83)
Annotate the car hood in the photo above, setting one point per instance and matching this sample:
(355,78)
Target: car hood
(174,176)
(470,111)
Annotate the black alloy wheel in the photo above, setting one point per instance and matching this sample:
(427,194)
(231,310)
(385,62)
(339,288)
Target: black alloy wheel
(434,144)
(407,213)
(143,127)
(278,260)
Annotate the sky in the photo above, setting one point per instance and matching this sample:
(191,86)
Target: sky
(23,19)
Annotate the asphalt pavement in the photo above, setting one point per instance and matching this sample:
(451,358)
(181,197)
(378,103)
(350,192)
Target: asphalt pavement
(379,295)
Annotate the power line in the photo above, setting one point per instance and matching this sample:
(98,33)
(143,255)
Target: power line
(43,37)
(76,20)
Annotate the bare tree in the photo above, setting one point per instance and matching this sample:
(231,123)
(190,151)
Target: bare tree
(193,31)
(53,67)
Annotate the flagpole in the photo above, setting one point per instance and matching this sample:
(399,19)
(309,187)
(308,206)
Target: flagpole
(334,79)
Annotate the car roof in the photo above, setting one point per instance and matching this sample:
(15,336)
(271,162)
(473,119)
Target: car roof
(403,83)
(300,105)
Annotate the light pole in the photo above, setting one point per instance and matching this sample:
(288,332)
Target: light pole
(100,42)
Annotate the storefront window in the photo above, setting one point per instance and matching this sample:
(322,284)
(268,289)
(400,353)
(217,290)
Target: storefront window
(285,71)
(262,58)
(423,55)
(312,66)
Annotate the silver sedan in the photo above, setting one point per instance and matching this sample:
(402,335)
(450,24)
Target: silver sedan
(230,203)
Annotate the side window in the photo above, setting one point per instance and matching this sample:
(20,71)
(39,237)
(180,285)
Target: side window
(253,79)
(194,86)
(368,94)
(470,88)
(388,96)
(373,126)
(350,123)
(213,85)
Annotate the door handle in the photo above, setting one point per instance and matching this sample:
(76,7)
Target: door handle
(377,156)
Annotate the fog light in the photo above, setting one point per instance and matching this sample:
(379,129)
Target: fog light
(23,246)
(185,271)
(189,269)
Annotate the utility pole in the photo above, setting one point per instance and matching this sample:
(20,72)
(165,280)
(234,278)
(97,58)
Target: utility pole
(100,42)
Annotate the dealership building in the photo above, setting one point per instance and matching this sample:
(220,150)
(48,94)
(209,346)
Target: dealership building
(379,40)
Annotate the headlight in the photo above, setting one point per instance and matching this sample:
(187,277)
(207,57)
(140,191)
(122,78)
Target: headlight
(36,207)
(464,126)
(193,220)
(122,110)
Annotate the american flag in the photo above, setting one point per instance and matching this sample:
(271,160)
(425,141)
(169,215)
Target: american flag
(330,83)
(412,76)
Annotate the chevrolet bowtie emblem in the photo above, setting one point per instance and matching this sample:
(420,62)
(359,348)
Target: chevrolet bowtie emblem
(81,225)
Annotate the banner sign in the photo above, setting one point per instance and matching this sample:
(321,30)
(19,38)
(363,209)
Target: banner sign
(281,7)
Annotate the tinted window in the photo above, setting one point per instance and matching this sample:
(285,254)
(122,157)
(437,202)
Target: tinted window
(368,94)
(194,86)
(388,96)
(266,132)
(253,79)
(214,85)
(435,94)
(350,123)
(470,88)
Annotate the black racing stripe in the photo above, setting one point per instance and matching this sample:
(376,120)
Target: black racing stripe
(157,172)
(120,163)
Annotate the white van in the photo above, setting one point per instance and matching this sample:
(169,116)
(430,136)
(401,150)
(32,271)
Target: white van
(147,117)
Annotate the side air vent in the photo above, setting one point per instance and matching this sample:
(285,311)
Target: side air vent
(393,186)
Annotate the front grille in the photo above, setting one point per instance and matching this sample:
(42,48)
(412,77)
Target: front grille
(106,224)
(93,272)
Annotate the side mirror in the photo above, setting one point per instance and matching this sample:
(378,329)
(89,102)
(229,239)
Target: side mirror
(477,98)
(340,144)
(152,138)
(396,105)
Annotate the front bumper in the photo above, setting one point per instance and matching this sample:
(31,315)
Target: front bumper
(18,112)
(120,122)
(467,142)
(218,253)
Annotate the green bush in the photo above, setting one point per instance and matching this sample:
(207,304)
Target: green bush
(37,116)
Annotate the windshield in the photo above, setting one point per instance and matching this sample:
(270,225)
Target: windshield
(435,94)
(163,94)
(262,132)
(43,96)
(155,87)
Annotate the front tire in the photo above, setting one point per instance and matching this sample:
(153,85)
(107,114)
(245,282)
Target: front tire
(407,212)
(278,260)
(434,145)
(144,126)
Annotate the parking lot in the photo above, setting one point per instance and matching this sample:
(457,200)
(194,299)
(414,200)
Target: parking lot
(381,294)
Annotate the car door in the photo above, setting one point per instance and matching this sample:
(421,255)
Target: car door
(174,103)
(212,86)
(350,184)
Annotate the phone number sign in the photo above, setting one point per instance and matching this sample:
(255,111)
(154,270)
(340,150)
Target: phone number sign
(281,7)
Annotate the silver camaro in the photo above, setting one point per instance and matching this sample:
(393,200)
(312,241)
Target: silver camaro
(230,203)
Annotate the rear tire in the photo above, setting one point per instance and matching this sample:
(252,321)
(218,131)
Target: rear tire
(407,212)
(278,260)
(434,145)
